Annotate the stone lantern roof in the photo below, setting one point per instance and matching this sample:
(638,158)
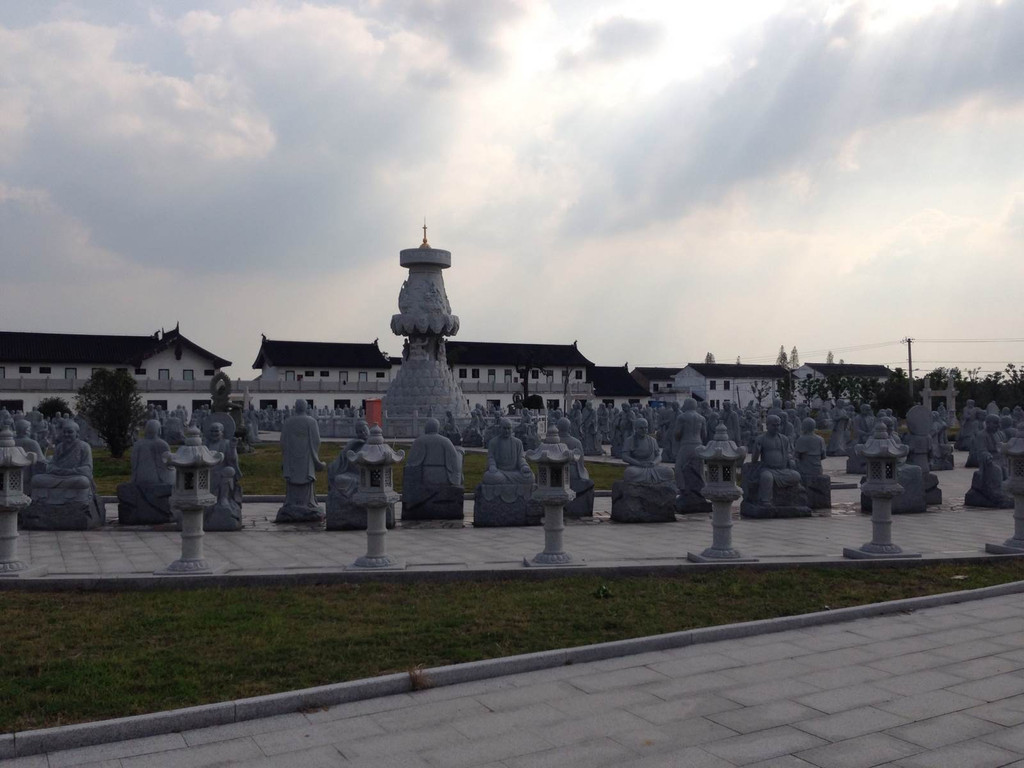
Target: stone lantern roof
(375,452)
(552,450)
(721,448)
(881,446)
(193,453)
(12,455)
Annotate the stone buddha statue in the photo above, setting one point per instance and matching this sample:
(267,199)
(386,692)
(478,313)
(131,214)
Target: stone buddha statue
(771,482)
(503,495)
(63,492)
(145,500)
(432,477)
(647,491)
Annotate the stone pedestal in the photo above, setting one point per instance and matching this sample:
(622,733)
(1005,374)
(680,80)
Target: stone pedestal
(429,501)
(914,499)
(299,513)
(511,506)
(376,557)
(855,464)
(787,501)
(583,504)
(192,560)
(343,514)
(881,545)
(819,491)
(721,549)
(68,515)
(692,503)
(144,504)
(10,565)
(643,502)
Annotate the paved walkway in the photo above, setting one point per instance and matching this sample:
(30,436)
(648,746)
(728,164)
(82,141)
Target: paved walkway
(263,548)
(936,688)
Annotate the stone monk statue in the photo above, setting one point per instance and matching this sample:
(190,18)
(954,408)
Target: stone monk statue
(506,462)
(432,478)
(63,493)
(503,496)
(300,459)
(773,450)
(70,468)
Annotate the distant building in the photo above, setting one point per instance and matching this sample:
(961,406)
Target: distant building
(615,385)
(880,373)
(658,380)
(169,368)
(737,383)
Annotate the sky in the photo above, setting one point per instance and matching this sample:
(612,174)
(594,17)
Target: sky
(655,180)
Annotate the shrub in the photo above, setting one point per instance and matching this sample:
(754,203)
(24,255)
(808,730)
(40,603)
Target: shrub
(110,401)
(53,406)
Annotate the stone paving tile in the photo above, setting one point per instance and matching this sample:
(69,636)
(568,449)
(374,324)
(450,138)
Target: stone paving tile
(850,697)
(317,757)
(971,650)
(688,686)
(594,753)
(943,730)
(861,752)
(786,761)
(597,704)
(843,676)
(774,670)
(243,728)
(992,688)
(918,682)
(317,735)
(410,741)
(705,662)
(499,748)
(672,736)
(117,750)
(694,757)
(851,723)
(989,666)
(520,696)
(420,715)
(763,716)
(664,712)
(504,720)
(581,729)
(218,753)
(1007,738)
(621,678)
(752,747)
(966,754)
(930,704)
(761,693)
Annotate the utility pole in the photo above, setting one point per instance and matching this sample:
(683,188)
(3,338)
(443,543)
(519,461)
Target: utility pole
(910,366)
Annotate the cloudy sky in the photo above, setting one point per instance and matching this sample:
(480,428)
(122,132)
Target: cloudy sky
(653,179)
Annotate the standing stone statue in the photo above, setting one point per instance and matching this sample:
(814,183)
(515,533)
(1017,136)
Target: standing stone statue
(647,491)
(840,437)
(64,495)
(23,440)
(432,479)
(862,427)
(691,433)
(300,457)
(579,477)
(810,450)
(343,513)
(919,441)
(731,419)
(503,496)
(771,482)
(590,434)
(969,426)
(225,482)
(146,499)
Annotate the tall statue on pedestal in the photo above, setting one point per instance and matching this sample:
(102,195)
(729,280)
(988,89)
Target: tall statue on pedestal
(424,380)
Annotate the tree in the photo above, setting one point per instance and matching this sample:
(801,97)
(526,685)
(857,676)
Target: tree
(794,360)
(709,357)
(53,406)
(110,401)
(830,358)
(782,359)
(760,389)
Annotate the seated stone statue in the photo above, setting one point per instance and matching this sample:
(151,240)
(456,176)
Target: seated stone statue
(987,483)
(579,477)
(300,458)
(942,450)
(451,429)
(919,440)
(432,478)
(343,514)
(503,496)
(225,482)
(64,495)
(771,483)
(647,491)
(526,431)
(810,450)
(145,500)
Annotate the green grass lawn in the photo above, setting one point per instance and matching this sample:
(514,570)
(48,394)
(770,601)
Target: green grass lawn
(69,657)
(261,470)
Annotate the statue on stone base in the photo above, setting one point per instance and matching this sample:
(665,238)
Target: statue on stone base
(862,426)
(64,495)
(840,437)
(503,496)
(647,491)
(579,477)
(23,440)
(691,433)
(987,482)
(225,482)
(432,479)
(343,514)
(771,483)
(300,458)
(809,450)
(145,500)
(590,434)
(919,440)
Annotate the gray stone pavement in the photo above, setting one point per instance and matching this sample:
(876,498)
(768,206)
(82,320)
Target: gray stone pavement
(934,688)
(265,548)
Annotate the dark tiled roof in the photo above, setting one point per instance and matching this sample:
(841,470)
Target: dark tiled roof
(616,381)
(738,371)
(500,353)
(851,369)
(657,373)
(18,346)
(320,354)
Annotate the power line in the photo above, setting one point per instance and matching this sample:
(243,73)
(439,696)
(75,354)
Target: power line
(970,341)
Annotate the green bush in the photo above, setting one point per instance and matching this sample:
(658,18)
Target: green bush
(110,401)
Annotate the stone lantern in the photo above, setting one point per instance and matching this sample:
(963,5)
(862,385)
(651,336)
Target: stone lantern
(1014,485)
(552,459)
(13,460)
(190,497)
(721,458)
(376,492)
(881,459)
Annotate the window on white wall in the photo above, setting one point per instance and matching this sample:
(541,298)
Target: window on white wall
(70,373)
(188,374)
(164,374)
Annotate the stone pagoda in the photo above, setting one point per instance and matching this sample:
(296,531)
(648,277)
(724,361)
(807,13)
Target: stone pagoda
(424,382)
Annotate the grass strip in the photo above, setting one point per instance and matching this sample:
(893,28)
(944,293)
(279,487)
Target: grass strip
(261,470)
(69,657)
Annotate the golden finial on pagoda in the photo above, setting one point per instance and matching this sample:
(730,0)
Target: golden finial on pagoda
(424,244)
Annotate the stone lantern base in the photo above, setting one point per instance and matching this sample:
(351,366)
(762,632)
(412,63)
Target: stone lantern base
(868,552)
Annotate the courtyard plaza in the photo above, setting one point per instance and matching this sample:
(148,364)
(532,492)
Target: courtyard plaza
(264,547)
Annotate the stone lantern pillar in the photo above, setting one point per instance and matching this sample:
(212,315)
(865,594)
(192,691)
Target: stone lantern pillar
(1014,485)
(13,460)
(191,497)
(721,458)
(552,459)
(376,492)
(881,456)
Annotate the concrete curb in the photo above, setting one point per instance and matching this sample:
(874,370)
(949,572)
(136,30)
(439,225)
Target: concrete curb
(24,743)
